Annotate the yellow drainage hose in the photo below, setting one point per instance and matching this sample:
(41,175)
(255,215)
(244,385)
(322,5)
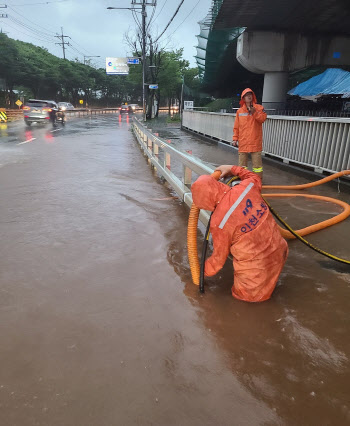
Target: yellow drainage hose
(192,248)
(194,215)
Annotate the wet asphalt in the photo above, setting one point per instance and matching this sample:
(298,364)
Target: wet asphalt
(100,323)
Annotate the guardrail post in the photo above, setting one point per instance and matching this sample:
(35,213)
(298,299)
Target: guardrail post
(186,176)
(149,144)
(155,150)
(167,160)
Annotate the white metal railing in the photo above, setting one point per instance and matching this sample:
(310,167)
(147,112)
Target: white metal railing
(82,112)
(319,143)
(162,156)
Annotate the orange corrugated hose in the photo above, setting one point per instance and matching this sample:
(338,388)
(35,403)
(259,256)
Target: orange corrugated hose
(317,226)
(311,184)
(194,215)
(192,248)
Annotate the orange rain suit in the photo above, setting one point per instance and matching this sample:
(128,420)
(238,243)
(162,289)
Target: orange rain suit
(243,225)
(248,127)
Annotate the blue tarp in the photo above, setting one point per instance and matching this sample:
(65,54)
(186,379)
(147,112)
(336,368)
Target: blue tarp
(334,81)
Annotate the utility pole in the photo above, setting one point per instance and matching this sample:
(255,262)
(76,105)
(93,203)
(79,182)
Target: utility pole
(3,15)
(182,97)
(63,42)
(142,10)
(143,5)
(144,56)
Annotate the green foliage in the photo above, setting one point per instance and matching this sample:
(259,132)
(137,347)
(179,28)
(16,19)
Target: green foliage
(170,73)
(219,104)
(35,72)
(38,73)
(173,118)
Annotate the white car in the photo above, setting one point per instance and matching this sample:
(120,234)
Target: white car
(65,106)
(134,107)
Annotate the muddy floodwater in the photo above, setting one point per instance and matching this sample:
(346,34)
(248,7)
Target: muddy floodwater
(100,324)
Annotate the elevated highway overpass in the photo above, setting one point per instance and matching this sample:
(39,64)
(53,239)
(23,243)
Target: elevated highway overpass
(244,41)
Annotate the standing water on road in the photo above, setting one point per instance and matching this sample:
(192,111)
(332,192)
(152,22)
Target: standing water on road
(100,322)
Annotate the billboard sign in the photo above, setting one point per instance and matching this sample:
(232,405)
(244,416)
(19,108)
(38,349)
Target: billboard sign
(117,66)
(153,86)
(188,104)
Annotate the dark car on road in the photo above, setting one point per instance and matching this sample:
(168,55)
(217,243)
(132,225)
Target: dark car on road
(38,111)
(126,109)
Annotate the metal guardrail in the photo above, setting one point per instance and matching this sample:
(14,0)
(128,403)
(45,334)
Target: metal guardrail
(162,155)
(91,111)
(321,144)
(17,114)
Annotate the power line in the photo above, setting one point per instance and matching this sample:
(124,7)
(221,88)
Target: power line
(28,35)
(28,27)
(39,32)
(181,22)
(153,12)
(72,41)
(161,10)
(76,50)
(48,31)
(172,18)
(136,19)
(46,2)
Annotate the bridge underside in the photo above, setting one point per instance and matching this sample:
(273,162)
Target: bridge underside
(298,16)
(222,74)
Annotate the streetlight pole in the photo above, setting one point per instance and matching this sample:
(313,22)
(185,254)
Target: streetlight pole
(182,97)
(143,57)
(143,4)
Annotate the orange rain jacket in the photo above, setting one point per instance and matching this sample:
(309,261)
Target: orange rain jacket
(243,225)
(248,127)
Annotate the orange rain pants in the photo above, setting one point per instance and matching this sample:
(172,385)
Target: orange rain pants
(248,127)
(242,224)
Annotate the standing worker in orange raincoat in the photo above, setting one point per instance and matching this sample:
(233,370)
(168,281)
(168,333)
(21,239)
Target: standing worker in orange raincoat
(242,224)
(247,131)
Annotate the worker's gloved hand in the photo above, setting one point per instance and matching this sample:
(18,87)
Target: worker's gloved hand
(252,110)
(234,143)
(225,170)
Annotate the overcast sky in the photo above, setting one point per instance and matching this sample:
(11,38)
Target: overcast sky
(97,31)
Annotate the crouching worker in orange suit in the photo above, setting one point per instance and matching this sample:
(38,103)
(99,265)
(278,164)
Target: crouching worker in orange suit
(242,224)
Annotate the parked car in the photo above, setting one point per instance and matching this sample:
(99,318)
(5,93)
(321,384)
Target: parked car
(38,111)
(65,106)
(126,109)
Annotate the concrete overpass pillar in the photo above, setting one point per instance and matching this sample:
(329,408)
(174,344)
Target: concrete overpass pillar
(276,54)
(275,90)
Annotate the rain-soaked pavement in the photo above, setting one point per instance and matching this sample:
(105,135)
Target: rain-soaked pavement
(100,323)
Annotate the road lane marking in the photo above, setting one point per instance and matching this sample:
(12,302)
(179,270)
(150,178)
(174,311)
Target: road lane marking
(55,130)
(29,140)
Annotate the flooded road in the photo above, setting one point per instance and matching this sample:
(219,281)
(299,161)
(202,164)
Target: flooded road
(100,323)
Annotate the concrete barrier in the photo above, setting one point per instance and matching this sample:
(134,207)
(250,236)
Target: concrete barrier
(11,114)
